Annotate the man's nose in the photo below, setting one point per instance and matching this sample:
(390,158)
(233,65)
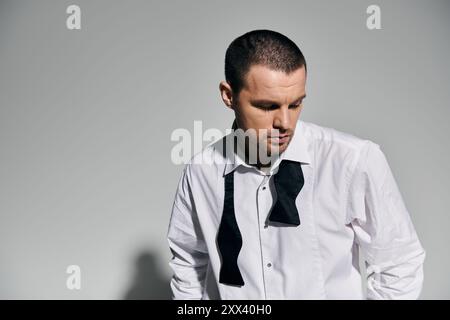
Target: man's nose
(281,119)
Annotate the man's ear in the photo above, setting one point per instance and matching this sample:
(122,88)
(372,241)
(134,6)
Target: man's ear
(226,92)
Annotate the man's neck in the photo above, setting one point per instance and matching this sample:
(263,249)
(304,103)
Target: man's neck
(259,165)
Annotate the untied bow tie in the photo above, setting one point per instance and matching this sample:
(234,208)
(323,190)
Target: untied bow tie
(288,182)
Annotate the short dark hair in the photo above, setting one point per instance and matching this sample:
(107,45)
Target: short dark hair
(260,47)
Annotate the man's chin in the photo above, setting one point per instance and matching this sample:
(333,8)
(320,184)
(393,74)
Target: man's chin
(274,150)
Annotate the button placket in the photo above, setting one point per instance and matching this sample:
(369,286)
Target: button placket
(264,205)
(263,190)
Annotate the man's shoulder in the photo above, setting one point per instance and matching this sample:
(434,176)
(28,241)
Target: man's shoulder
(211,159)
(324,137)
(213,153)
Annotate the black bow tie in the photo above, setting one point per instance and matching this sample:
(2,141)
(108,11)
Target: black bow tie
(288,182)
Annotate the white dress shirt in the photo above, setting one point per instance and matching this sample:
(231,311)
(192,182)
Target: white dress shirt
(349,201)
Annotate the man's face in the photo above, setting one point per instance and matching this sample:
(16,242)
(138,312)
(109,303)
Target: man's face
(271,100)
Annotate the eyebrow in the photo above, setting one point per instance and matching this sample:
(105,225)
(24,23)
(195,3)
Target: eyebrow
(269,102)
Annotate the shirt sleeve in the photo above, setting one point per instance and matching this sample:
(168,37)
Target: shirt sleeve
(383,229)
(189,260)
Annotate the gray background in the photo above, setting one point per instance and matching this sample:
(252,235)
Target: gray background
(86,116)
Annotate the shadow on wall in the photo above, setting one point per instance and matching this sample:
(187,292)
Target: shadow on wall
(149,283)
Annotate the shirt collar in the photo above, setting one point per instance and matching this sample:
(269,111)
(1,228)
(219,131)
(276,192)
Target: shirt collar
(297,150)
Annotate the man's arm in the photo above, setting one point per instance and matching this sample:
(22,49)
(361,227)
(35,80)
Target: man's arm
(189,254)
(383,228)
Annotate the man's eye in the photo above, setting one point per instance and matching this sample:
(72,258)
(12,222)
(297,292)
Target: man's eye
(295,106)
(267,108)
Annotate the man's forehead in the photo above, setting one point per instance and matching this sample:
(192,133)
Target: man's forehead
(261,78)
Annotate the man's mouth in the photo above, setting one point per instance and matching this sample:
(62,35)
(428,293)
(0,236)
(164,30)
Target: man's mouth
(281,139)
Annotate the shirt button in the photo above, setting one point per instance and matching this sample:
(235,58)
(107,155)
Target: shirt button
(264,188)
(269,265)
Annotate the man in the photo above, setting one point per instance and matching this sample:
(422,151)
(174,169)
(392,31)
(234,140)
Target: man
(293,227)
